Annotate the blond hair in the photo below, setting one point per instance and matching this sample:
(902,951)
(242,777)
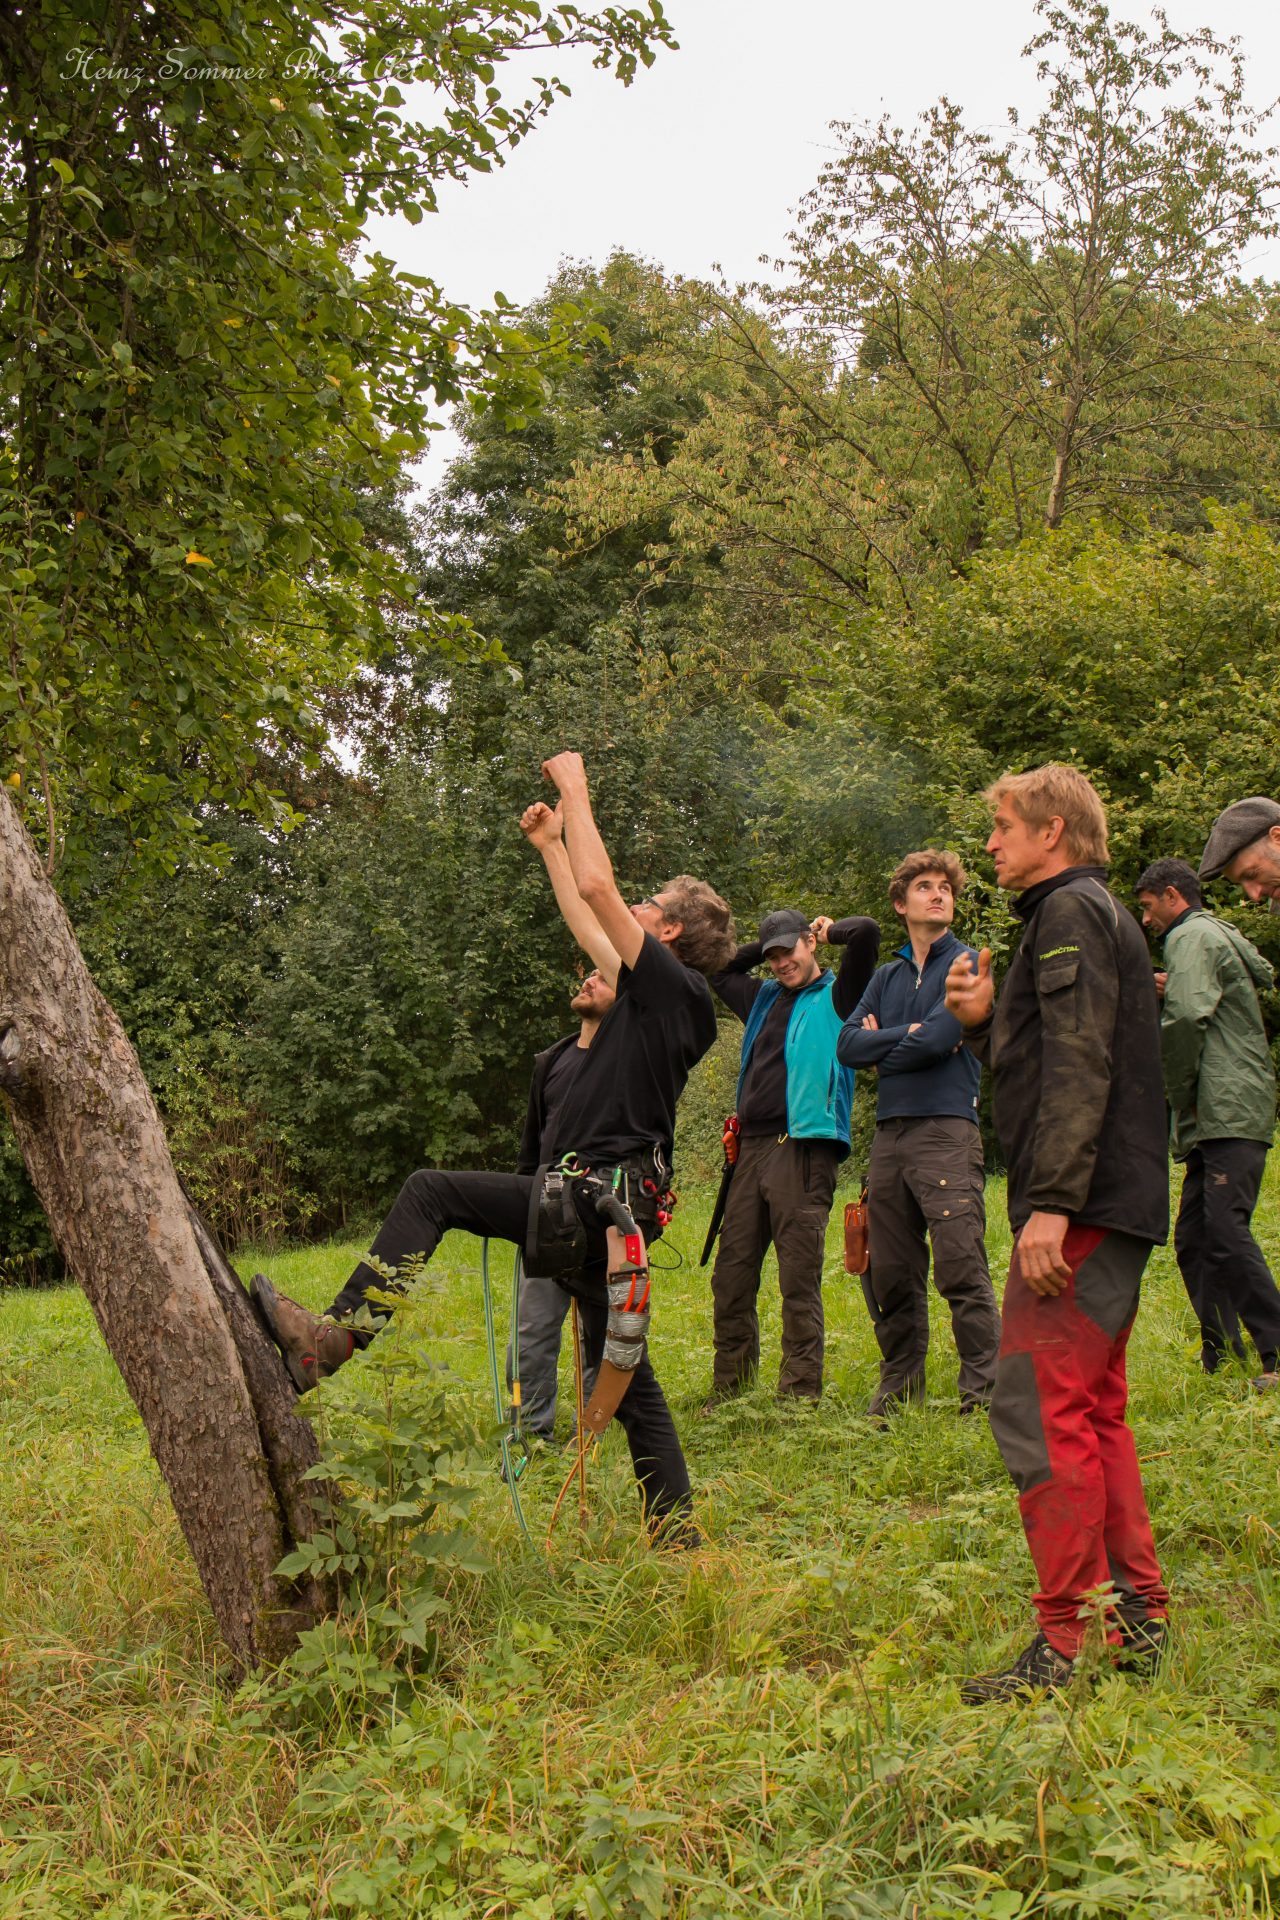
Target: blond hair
(1062,793)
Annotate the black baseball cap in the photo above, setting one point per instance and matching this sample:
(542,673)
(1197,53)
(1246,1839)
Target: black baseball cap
(783,928)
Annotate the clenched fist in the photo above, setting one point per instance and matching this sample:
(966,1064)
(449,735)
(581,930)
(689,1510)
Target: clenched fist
(566,771)
(541,824)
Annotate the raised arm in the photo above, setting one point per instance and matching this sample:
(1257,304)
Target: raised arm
(543,828)
(860,938)
(736,984)
(591,868)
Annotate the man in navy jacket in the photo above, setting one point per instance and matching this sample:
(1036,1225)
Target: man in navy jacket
(793,1108)
(926,1177)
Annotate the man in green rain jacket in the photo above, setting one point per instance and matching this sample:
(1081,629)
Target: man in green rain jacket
(1221,1089)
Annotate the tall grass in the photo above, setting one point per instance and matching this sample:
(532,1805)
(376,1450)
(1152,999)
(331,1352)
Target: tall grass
(769,1726)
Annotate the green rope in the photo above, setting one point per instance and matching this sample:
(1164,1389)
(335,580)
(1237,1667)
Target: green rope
(508,1460)
(517,1274)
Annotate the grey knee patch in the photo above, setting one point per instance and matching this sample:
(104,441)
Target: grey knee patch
(1107,1282)
(1016,1423)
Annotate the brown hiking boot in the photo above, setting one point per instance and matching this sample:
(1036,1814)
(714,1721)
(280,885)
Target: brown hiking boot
(312,1347)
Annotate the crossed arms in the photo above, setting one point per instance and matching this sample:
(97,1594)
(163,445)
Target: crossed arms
(907,1048)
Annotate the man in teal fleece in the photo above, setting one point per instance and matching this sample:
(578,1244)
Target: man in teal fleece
(793,1104)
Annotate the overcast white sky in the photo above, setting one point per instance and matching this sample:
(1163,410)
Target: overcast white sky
(703,159)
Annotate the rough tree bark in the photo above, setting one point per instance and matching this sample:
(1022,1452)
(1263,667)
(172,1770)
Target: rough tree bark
(215,1399)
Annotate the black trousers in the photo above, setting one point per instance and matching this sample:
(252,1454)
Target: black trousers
(1227,1279)
(496,1206)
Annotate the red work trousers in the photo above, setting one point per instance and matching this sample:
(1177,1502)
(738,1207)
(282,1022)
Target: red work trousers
(1058,1416)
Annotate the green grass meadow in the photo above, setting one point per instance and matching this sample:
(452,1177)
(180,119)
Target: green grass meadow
(769,1726)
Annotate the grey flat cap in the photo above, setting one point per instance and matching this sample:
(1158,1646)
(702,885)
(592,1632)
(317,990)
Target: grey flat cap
(1235,828)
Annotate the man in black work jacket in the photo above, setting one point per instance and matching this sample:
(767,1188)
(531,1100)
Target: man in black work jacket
(617,1119)
(1074,1048)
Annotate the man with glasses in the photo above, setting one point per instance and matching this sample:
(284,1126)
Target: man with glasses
(615,1122)
(1221,1089)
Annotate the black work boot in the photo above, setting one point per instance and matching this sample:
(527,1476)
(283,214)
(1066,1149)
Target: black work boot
(1146,1641)
(1037,1668)
(312,1347)
(675,1532)
(893,1399)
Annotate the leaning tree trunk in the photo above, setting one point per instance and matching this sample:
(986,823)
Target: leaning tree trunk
(209,1385)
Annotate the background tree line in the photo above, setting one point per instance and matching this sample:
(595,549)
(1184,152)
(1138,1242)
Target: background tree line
(985,473)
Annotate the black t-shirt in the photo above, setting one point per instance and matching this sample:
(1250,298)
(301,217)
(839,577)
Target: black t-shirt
(623,1096)
(561,1074)
(762,1105)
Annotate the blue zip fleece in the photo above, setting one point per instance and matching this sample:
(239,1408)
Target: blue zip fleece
(921,1073)
(819,1092)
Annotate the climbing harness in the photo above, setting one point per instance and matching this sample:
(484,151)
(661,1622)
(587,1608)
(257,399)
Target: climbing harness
(627,1327)
(556,1238)
(556,1244)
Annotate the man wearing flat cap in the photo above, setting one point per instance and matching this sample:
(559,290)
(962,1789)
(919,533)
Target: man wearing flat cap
(793,1105)
(1244,846)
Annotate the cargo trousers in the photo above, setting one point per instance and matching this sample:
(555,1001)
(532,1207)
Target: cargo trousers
(925,1186)
(781,1194)
(1058,1418)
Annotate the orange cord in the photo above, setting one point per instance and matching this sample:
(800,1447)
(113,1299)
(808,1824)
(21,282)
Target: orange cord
(579,1466)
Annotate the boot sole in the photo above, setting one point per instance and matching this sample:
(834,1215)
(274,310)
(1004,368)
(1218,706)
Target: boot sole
(263,1295)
